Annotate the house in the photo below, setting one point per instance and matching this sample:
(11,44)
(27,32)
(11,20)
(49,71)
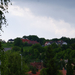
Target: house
(29,41)
(63,71)
(47,43)
(30,73)
(61,42)
(38,65)
(57,42)
(6,49)
(11,40)
(64,43)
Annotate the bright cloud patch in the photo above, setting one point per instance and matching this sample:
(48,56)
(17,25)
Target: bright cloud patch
(28,22)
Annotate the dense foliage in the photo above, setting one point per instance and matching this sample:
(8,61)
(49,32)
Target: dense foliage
(53,56)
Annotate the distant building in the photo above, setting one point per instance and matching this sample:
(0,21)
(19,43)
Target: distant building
(11,40)
(6,49)
(29,41)
(37,73)
(57,42)
(38,65)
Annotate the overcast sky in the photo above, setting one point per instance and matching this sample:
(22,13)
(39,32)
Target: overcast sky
(44,18)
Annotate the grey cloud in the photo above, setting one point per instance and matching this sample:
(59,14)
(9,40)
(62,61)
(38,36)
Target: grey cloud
(57,9)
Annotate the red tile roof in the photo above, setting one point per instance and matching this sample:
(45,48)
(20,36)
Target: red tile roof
(38,65)
(30,73)
(63,72)
(29,41)
(38,73)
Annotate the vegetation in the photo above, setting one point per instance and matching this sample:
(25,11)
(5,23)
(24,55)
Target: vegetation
(51,68)
(69,68)
(12,64)
(50,55)
(3,7)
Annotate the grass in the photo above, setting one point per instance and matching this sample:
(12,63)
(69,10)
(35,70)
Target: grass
(7,45)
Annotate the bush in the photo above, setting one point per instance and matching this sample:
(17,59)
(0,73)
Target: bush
(16,48)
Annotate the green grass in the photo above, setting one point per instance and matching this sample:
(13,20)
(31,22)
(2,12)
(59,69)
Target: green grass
(7,45)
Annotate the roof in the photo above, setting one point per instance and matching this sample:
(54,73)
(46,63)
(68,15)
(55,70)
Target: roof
(38,65)
(38,73)
(57,42)
(63,71)
(29,41)
(11,40)
(6,49)
(30,73)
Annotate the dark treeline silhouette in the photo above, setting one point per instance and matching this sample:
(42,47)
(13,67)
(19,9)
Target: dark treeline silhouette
(43,40)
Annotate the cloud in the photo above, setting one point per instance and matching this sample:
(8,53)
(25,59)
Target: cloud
(56,27)
(22,21)
(17,11)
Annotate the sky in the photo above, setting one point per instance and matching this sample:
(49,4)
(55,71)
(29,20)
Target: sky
(45,18)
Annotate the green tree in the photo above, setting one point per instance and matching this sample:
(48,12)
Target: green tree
(25,37)
(42,41)
(66,39)
(16,48)
(72,54)
(21,49)
(73,46)
(3,21)
(13,64)
(69,68)
(34,70)
(60,55)
(67,53)
(33,37)
(54,45)
(43,72)
(18,42)
(4,7)
(51,68)
(36,53)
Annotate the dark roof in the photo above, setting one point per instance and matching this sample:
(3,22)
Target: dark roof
(11,40)
(6,49)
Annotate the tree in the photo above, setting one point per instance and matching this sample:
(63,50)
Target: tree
(67,53)
(1,58)
(16,48)
(33,38)
(42,41)
(33,69)
(66,39)
(43,72)
(72,54)
(21,49)
(69,68)
(13,64)
(4,7)
(25,37)
(18,42)
(51,68)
